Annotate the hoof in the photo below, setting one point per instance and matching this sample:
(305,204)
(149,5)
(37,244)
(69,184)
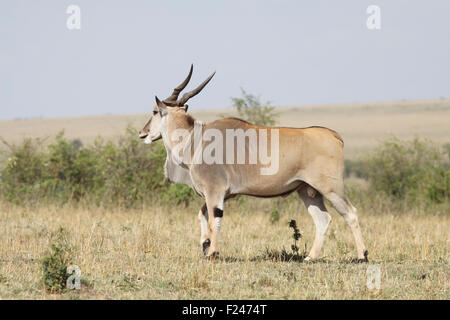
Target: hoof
(308,259)
(365,259)
(205,246)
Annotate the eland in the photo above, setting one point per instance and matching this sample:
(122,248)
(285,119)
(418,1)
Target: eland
(309,161)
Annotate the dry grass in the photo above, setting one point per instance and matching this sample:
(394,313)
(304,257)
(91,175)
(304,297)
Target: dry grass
(153,253)
(362,125)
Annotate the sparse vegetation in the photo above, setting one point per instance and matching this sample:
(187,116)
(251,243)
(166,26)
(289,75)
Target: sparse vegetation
(283,254)
(296,236)
(55,264)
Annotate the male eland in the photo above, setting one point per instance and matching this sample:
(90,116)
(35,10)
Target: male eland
(309,161)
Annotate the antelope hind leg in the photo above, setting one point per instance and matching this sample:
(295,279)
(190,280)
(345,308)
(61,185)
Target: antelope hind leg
(348,212)
(314,203)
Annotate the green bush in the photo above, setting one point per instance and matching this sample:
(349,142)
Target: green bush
(250,108)
(356,168)
(127,173)
(70,171)
(130,174)
(54,265)
(415,171)
(178,193)
(21,173)
(131,171)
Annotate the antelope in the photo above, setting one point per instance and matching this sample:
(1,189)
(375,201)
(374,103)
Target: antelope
(310,162)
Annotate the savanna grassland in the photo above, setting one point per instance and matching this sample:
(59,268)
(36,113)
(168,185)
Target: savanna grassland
(131,242)
(154,253)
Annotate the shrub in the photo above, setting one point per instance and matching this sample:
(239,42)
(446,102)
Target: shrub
(178,193)
(250,108)
(54,265)
(129,174)
(70,170)
(283,254)
(296,236)
(132,172)
(20,174)
(126,173)
(356,168)
(414,170)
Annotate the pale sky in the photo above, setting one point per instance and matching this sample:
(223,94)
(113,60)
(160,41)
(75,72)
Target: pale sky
(290,52)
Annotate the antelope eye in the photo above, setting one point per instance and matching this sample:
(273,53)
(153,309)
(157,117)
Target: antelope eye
(155,112)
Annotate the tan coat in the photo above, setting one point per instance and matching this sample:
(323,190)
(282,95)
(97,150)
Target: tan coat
(311,162)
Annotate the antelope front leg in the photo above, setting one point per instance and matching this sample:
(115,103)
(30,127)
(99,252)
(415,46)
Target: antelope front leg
(205,242)
(215,214)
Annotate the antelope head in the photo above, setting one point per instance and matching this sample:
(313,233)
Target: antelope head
(152,129)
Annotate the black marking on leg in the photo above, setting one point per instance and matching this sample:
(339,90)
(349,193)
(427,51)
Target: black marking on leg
(218,213)
(366,254)
(205,211)
(206,245)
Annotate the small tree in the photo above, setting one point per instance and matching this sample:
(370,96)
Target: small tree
(250,108)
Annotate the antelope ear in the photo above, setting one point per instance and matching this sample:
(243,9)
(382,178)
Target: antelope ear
(161,107)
